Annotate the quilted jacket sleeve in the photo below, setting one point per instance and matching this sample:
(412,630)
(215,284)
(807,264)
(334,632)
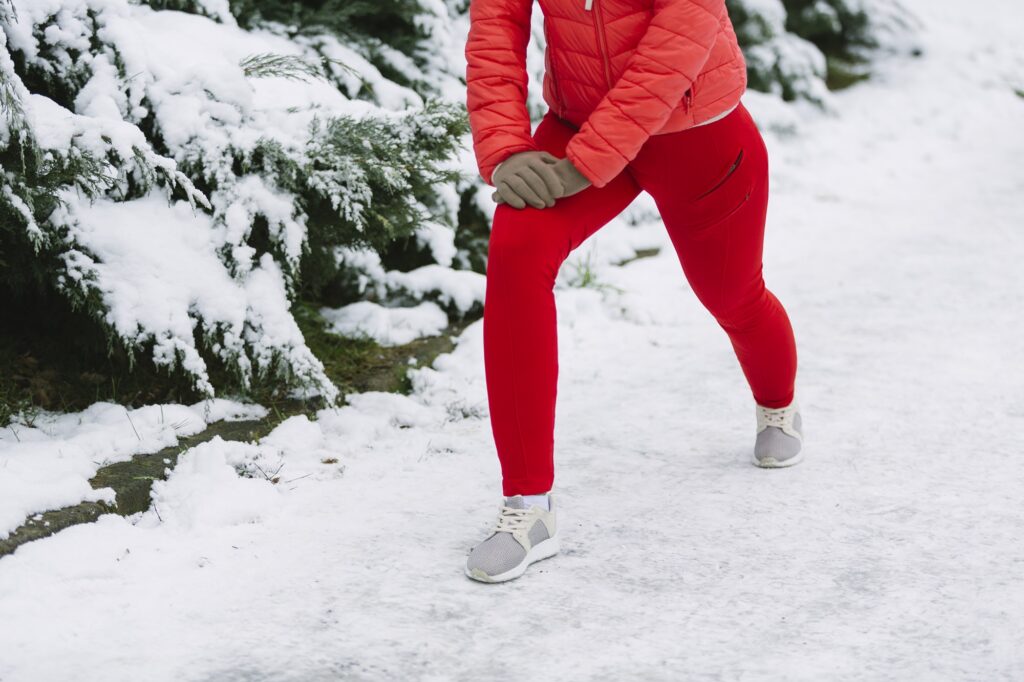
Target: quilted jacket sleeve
(496,81)
(667,60)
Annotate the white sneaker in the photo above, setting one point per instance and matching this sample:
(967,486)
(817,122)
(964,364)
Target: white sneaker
(780,437)
(523,534)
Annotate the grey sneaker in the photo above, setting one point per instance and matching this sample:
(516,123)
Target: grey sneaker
(523,534)
(780,437)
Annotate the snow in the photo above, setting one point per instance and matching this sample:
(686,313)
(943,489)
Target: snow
(205,489)
(461,288)
(386,326)
(160,268)
(46,462)
(892,552)
(801,63)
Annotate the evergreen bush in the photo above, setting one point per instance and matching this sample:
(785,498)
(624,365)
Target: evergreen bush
(91,120)
(801,49)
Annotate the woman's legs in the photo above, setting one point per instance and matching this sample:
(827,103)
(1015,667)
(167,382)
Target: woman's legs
(711,186)
(527,247)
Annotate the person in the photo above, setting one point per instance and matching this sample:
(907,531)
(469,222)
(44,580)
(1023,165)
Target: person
(641,95)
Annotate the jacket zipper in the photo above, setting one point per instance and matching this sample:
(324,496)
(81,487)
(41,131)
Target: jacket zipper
(602,44)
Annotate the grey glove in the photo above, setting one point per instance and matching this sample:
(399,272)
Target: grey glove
(573,181)
(528,178)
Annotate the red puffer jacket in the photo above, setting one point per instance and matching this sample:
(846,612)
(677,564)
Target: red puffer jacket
(618,70)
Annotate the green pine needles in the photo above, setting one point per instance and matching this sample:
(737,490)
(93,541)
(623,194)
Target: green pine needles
(274,179)
(801,49)
(292,67)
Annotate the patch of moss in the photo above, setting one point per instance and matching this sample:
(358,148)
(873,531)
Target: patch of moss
(357,365)
(843,73)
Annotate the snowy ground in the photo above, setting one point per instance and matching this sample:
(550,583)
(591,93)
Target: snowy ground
(894,552)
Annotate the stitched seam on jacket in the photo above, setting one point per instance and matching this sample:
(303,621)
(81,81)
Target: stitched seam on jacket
(648,90)
(609,143)
(627,115)
(639,11)
(731,93)
(589,23)
(673,35)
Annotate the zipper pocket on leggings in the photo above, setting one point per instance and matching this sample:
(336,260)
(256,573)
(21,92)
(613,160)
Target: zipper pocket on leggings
(728,174)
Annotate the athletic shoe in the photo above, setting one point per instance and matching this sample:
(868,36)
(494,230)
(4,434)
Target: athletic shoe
(780,437)
(523,534)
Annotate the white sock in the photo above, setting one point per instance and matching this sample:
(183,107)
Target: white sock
(537,501)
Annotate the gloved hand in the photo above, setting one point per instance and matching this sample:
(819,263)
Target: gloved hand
(527,178)
(572,181)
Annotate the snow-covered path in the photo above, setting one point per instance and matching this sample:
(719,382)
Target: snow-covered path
(896,551)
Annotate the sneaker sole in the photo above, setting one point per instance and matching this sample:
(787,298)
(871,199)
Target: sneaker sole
(772,463)
(542,550)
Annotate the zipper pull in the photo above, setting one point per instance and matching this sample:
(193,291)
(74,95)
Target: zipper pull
(589,4)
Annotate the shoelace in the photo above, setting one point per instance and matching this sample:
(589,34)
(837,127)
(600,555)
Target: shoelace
(777,416)
(511,519)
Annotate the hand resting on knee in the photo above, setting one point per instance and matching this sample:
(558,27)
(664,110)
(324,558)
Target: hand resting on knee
(536,178)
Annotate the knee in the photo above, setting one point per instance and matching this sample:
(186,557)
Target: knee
(744,310)
(527,237)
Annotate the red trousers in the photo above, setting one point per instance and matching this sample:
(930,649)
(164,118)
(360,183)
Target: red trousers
(710,184)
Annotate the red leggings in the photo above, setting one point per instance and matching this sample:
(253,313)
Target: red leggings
(710,184)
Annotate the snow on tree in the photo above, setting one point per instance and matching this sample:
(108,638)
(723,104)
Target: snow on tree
(270,151)
(799,49)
